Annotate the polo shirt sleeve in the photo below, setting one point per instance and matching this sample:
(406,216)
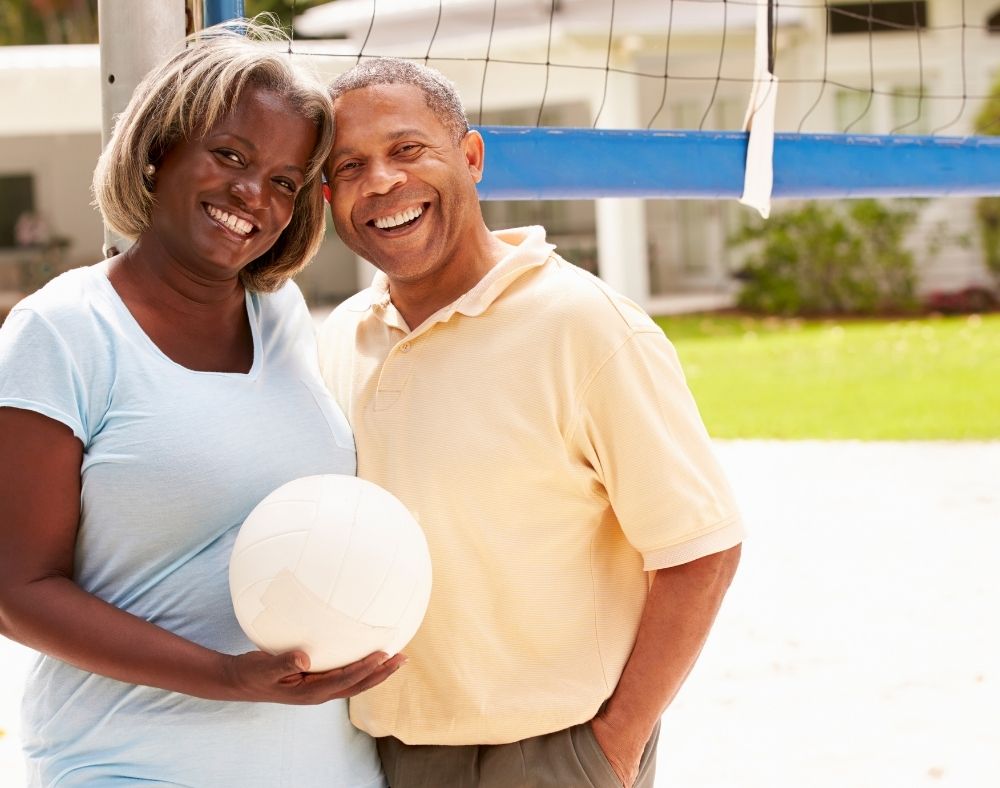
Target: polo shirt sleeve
(38,371)
(640,430)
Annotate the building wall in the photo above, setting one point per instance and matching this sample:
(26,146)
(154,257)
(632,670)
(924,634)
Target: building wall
(61,166)
(52,131)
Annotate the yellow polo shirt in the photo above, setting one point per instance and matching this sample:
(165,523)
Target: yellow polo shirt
(540,430)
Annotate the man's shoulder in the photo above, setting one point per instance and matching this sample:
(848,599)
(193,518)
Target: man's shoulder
(589,302)
(345,317)
(358,304)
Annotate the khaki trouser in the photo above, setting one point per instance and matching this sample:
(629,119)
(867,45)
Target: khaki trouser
(569,758)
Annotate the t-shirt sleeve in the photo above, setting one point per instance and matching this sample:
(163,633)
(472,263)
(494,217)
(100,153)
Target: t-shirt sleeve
(38,371)
(639,427)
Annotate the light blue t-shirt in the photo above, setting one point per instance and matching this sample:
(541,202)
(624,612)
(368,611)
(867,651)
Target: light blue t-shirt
(173,462)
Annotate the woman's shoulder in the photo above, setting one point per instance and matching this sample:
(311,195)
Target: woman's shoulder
(281,304)
(67,297)
(289,295)
(67,304)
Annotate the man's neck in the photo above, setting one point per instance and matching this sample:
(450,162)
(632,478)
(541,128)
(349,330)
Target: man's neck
(418,300)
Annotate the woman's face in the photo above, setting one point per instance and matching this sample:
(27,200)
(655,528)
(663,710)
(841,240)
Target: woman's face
(223,200)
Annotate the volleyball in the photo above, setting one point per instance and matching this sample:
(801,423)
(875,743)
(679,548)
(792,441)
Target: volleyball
(331,565)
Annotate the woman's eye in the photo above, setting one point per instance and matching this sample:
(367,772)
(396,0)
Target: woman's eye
(288,186)
(231,155)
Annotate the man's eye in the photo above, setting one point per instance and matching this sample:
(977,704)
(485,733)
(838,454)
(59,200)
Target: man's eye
(348,167)
(409,147)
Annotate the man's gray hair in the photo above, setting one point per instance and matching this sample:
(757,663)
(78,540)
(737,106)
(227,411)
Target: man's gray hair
(439,91)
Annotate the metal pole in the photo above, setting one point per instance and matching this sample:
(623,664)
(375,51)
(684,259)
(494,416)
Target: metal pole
(217,11)
(527,163)
(135,35)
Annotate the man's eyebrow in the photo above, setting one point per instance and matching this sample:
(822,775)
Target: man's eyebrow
(391,137)
(413,132)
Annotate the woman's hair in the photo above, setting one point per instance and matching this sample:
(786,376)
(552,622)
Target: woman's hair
(183,99)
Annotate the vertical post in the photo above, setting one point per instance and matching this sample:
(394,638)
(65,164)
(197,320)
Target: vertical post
(622,247)
(135,35)
(217,11)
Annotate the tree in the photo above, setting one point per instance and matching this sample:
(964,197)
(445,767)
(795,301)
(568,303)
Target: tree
(988,208)
(48,22)
(75,21)
(283,9)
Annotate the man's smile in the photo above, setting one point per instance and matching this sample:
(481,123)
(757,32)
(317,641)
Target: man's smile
(400,220)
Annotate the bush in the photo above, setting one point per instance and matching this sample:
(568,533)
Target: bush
(988,208)
(968,300)
(844,257)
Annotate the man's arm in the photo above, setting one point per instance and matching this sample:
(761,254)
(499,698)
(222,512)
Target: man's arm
(680,609)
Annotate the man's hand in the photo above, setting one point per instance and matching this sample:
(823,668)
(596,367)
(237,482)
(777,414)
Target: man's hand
(622,748)
(680,608)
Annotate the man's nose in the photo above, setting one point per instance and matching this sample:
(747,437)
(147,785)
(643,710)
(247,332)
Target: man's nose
(383,177)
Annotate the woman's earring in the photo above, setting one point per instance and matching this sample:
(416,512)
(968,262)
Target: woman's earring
(149,171)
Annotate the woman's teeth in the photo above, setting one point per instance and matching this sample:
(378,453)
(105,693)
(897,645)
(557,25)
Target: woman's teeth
(402,217)
(234,223)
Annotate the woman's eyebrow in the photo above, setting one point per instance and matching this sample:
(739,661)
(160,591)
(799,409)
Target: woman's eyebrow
(238,137)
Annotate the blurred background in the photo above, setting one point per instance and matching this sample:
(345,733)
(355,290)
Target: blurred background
(845,354)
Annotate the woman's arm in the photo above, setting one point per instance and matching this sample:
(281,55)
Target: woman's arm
(43,608)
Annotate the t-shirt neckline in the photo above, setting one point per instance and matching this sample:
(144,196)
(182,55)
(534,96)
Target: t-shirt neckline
(126,313)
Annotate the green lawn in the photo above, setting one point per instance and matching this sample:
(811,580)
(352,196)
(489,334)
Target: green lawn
(927,378)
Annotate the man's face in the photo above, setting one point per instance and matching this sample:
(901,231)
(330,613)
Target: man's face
(404,194)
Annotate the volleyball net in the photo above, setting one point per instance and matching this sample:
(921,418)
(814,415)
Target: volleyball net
(700,98)
(750,99)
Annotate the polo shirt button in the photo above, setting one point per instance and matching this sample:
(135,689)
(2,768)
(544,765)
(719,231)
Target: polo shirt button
(405,348)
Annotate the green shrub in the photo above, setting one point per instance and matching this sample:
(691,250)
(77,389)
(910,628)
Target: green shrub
(844,257)
(988,208)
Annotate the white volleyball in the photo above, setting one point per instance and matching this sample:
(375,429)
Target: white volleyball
(333,565)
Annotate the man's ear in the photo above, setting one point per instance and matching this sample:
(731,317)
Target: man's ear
(474,151)
(327,191)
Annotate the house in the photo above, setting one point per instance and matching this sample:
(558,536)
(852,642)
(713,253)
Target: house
(905,70)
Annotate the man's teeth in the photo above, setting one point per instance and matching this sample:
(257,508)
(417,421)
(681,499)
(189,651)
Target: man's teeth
(234,223)
(400,218)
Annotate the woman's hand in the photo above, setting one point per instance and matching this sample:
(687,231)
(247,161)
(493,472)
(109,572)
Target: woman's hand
(282,678)
(43,608)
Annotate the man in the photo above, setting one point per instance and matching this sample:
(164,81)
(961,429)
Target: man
(538,426)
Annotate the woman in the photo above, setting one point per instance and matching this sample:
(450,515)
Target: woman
(147,403)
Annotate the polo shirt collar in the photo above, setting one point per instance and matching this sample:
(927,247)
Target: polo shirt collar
(530,251)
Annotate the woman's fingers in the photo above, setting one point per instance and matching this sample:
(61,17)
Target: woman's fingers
(281,678)
(356,677)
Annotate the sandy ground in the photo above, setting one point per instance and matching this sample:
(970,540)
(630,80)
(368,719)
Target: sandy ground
(859,646)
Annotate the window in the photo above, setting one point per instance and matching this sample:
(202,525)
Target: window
(17,198)
(854,112)
(877,17)
(909,110)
